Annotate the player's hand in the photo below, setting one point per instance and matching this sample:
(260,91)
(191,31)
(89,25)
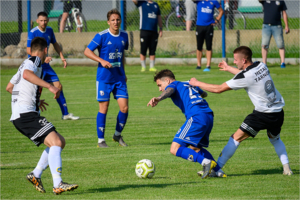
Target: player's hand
(223,66)
(193,82)
(48,59)
(287,30)
(106,64)
(153,102)
(65,63)
(43,105)
(55,91)
(160,33)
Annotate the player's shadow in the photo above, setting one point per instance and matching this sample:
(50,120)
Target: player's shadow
(124,187)
(15,168)
(265,172)
(160,143)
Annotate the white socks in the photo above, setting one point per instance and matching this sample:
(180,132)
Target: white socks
(152,63)
(54,159)
(100,140)
(143,63)
(280,149)
(42,164)
(228,151)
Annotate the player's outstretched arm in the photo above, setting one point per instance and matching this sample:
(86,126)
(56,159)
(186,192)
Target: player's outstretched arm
(210,87)
(91,55)
(9,87)
(165,94)
(34,79)
(225,67)
(59,51)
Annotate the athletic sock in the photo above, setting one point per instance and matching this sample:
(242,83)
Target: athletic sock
(152,62)
(143,63)
(121,122)
(42,164)
(208,155)
(228,151)
(55,164)
(280,150)
(62,103)
(189,154)
(101,119)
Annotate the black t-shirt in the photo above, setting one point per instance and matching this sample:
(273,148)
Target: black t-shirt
(272,11)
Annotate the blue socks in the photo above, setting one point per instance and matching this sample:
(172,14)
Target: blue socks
(62,103)
(101,119)
(121,121)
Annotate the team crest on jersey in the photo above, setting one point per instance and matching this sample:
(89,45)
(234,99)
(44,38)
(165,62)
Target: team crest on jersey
(190,158)
(268,1)
(101,92)
(59,169)
(277,3)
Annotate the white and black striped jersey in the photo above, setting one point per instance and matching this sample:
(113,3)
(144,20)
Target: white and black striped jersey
(257,82)
(25,95)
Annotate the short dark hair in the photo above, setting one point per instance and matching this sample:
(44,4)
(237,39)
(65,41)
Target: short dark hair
(245,51)
(44,14)
(38,44)
(113,11)
(164,73)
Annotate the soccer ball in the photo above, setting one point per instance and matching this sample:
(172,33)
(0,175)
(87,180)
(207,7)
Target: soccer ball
(145,169)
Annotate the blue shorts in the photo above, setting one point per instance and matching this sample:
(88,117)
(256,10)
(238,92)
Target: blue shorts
(268,31)
(195,131)
(118,89)
(49,74)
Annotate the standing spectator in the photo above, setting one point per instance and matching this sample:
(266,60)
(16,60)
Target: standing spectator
(149,19)
(111,45)
(191,13)
(68,5)
(272,26)
(205,28)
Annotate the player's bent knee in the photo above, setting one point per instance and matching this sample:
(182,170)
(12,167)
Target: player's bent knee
(124,109)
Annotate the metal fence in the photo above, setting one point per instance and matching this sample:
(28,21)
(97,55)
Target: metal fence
(244,20)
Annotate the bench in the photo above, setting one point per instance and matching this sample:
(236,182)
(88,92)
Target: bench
(55,13)
(250,9)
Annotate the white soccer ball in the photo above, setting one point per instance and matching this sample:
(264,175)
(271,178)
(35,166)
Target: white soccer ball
(145,169)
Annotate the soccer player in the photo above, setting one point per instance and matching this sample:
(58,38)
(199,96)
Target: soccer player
(199,121)
(49,75)
(150,17)
(268,112)
(111,77)
(25,87)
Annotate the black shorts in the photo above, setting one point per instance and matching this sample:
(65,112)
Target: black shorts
(33,126)
(257,121)
(68,5)
(148,39)
(207,33)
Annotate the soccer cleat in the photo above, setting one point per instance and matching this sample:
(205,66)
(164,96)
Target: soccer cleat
(143,69)
(207,69)
(102,144)
(219,174)
(207,168)
(62,187)
(282,65)
(152,69)
(120,140)
(198,67)
(37,182)
(70,116)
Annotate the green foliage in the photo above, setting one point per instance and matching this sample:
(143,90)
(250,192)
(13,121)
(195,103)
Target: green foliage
(254,172)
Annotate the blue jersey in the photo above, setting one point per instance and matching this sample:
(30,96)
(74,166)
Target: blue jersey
(205,12)
(188,99)
(111,48)
(148,15)
(48,34)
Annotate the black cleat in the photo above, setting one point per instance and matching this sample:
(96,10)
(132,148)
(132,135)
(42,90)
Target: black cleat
(37,182)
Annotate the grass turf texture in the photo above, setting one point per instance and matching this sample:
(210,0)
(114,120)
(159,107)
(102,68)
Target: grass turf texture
(254,172)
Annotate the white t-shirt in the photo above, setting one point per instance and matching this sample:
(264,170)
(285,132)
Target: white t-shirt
(25,95)
(257,82)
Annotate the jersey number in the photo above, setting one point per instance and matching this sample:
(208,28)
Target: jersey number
(193,92)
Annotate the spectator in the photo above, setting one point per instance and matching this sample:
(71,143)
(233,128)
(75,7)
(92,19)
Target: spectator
(149,19)
(191,13)
(205,28)
(272,26)
(68,5)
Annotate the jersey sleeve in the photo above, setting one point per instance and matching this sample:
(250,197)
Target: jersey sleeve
(96,42)
(15,78)
(139,4)
(237,82)
(171,85)
(126,43)
(29,39)
(217,4)
(283,6)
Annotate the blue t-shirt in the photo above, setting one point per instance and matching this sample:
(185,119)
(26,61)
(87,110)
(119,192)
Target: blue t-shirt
(205,12)
(48,34)
(148,15)
(188,99)
(111,48)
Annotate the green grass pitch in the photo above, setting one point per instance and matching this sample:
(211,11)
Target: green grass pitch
(254,172)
